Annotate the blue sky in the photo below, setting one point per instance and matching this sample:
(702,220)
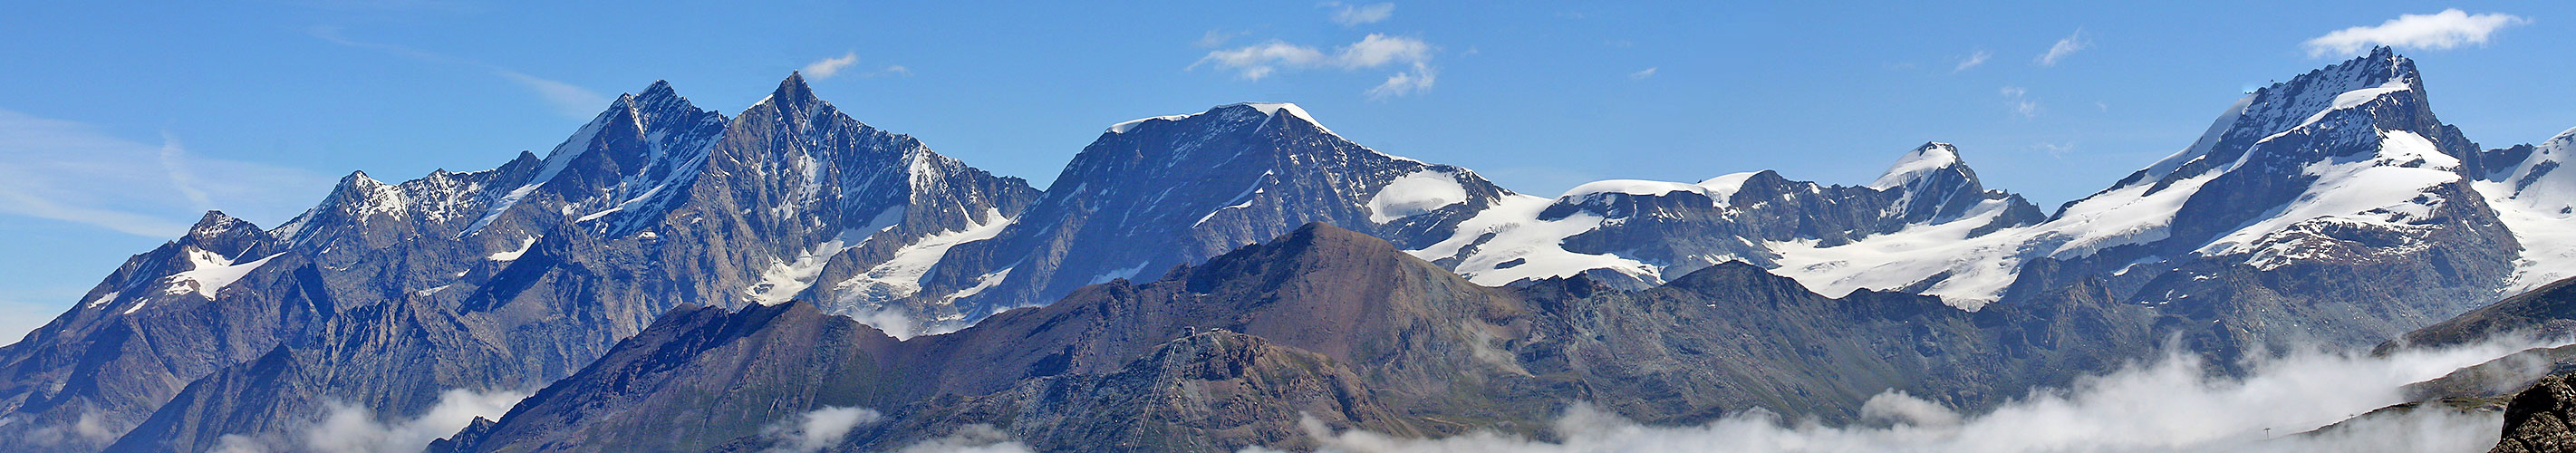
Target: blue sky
(119,123)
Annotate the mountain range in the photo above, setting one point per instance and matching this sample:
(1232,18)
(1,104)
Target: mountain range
(673,278)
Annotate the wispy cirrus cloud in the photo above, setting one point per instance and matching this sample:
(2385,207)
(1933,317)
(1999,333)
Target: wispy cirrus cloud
(1217,37)
(2443,30)
(1352,16)
(569,100)
(73,172)
(2064,47)
(1642,74)
(1973,60)
(890,71)
(1259,61)
(2019,99)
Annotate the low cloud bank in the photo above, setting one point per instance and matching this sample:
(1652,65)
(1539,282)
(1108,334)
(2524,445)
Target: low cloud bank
(349,428)
(817,429)
(2169,405)
(976,438)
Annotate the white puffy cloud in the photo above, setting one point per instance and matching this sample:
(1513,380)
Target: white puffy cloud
(1403,83)
(1263,60)
(2065,46)
(828,67)
(1378,50)
(817,429)
(2171,405)
(1350,16)
(2443,30)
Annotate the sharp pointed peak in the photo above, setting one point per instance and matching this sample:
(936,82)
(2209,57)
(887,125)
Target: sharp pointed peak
(793,87)
(660,89)
(359,177)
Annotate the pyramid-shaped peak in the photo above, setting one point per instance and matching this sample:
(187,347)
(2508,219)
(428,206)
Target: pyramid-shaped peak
(1923,162)
(793,90)
(660,90)
(2381,67)
(657,100)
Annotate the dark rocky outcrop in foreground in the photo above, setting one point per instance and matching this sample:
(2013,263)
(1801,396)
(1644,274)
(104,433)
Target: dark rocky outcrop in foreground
(2537,419)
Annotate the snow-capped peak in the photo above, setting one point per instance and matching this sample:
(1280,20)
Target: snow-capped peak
(2305,99)
(1920,163)
(1269,110)
(1273,108)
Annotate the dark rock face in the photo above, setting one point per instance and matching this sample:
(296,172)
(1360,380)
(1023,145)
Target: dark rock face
(1210,391)
(1331,324)
(2547,312)
(2537,419)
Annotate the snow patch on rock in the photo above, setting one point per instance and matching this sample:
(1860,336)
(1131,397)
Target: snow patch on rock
(1523,247)
(2536,199)
(209,273)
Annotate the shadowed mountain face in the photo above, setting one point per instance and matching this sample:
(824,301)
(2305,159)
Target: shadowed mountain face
(1326,323)
(2549,312)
